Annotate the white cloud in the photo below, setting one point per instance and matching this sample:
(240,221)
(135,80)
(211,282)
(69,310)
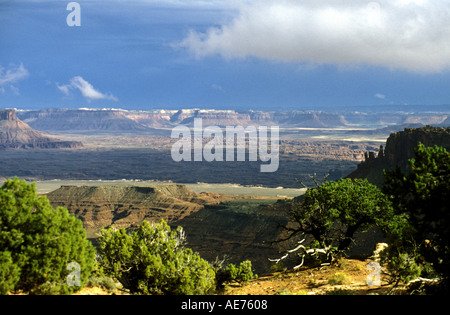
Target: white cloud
(399,34)
(64,88)
(86,89)
(13,74)
(380,96)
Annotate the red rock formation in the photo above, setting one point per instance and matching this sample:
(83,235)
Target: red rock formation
(15,134)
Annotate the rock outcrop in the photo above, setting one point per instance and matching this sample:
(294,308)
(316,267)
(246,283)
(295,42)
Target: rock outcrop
(400,146)
(125,206)
(399,149)
(15,134)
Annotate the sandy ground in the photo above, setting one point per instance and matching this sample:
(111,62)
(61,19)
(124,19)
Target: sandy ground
(349,276)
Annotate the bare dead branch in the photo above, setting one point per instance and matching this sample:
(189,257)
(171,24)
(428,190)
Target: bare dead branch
(305,251)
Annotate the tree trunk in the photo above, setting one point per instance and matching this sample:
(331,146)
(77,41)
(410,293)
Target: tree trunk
(348,238)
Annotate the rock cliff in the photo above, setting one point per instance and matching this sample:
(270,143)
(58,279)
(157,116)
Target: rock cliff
(16,134)
(399,149)
(124,206)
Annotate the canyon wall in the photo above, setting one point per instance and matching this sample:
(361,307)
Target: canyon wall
(399,149)
(216,225)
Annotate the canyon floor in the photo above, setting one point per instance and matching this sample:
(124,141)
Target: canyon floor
(148,157)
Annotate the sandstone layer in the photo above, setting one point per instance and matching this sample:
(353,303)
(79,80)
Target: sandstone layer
(127,206)
(15,134)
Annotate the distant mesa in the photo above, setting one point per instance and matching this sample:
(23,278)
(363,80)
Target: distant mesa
(15,134)
(116,120)
(60,119)
(135,121)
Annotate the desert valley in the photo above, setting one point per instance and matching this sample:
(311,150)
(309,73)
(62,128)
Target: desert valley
(214,148)
(110,144)
(113,167)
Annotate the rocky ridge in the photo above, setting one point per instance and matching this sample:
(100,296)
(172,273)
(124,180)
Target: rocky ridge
(134,121)
(15,134)
(125,206)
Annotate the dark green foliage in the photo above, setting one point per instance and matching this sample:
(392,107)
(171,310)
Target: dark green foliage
(423,195)
(152,260)
(37,243)
(424,192)
(403,266)
(9,273)
(335,210)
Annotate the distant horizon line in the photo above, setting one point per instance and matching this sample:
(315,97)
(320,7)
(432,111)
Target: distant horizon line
(443,108)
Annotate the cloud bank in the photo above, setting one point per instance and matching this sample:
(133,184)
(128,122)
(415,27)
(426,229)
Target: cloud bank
(86,89)
(413,35)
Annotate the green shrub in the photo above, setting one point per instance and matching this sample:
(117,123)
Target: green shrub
(152,261)
(103,282)
(403,267)
(241,273)
(278,267)
(38,243)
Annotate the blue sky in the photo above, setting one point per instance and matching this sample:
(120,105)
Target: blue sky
(252,54)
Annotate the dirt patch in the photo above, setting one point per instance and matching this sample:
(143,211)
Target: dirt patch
(348,276)
(97,291)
